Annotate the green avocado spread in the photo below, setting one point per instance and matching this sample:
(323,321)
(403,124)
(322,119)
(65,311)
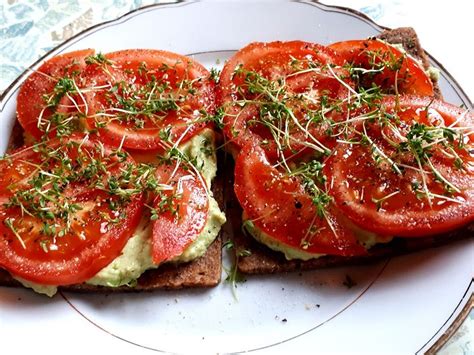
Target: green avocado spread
(136,255)
(365,238)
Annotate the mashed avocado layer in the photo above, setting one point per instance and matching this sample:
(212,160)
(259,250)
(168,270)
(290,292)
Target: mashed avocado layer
(136,255)
(366,239)
(264,238)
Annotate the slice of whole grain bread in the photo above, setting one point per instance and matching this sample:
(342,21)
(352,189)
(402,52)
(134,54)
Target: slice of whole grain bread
(256,258)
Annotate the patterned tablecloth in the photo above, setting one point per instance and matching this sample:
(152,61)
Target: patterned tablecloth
(30,28)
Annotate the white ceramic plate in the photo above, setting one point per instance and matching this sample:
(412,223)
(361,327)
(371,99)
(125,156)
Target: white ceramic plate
(400,305)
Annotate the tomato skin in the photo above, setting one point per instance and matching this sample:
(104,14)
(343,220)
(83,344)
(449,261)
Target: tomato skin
(30,101)
(127,66)
(256,56)
(273,61)
(82,252)
(355,174)
(449,112)
(279,206)
(69,270)
(174,232)
(411,78)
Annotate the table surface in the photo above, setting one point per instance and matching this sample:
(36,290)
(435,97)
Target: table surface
(29,29)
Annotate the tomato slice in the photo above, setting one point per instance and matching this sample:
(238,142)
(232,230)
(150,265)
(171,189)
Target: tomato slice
(146,99)
(279,94)
(181,212)
(380,63)
(279,206)
(411,172)
(60,221)
(48,91)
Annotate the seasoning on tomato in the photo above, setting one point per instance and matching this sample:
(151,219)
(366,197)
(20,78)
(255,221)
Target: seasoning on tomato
(408,169)
(283,95)
(292,207)
(50,101)
(373,62)
(180,210)
(148,97)
(67,210)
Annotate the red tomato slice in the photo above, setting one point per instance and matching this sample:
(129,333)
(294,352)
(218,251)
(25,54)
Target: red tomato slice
(367,189)
(271,60)
(279,206)
(273,92)
(65,237)
(396,69)
(181,212)
(147,98)
(44,92)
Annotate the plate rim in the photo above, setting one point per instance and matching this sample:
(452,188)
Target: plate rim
(5,96)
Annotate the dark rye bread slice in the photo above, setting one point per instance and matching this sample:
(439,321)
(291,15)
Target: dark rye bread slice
(259,259)
(202,272)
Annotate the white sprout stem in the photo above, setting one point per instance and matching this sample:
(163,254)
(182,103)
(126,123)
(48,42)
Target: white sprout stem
(447,198)
(284,160)
(439,175)
(86,110)
(367,71)
(343,82)
(425,184)
(309,70)
(42,172)
(73,101)
(309,98)
(396,84)
(308,231)
(83,140)
(23,245)
(122,142)
(330,224)
(363,117)
(262,216)
(379,151)
(460,118)
(176,167)
(95,88)
(323,148)
(50,77)
(421,171)
(151,94)
(343,141)
(198,174)
(382,199)
(290,137)
(281,155)
(40,117)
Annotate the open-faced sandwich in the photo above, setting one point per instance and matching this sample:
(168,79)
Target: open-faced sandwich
(110,187)
(344,153)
